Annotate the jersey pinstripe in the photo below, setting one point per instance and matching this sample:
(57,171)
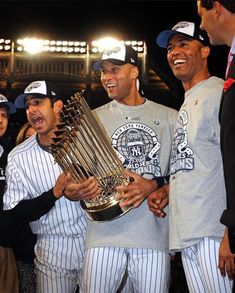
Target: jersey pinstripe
(61,232)
(148,270)
(197,190)
(137,241)
(201,269)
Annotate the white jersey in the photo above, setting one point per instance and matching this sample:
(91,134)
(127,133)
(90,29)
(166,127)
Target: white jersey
(31,170)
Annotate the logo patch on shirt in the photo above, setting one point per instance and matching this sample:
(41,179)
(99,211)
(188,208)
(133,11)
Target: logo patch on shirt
(138,148)
(182,154)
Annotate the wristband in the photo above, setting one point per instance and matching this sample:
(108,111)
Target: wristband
(161,181)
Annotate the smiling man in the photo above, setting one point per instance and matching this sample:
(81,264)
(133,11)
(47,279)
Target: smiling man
(140,131)
(197,189)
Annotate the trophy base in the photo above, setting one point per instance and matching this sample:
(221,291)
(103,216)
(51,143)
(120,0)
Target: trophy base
(107,214)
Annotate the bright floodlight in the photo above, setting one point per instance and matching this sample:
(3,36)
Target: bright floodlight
(105,43)
(37,45)
(33,46)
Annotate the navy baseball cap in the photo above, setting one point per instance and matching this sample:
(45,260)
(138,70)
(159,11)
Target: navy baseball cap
(188,29)
(37,89)
(5,103)
(119,54)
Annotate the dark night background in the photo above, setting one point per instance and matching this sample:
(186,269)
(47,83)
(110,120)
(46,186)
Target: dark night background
(92,20)
(89,20)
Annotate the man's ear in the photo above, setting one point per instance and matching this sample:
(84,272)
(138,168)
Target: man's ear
(205,51)
(58,106)
(217,8)
(135,72)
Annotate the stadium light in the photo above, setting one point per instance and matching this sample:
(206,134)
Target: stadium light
(33,46)
(98,46)
(89,52)
(5,45)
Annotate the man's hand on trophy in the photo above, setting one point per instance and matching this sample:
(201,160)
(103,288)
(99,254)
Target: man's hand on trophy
(60,184)
(85,190)
(158,200)
(136,192)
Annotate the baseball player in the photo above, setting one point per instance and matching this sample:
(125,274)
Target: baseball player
(31,171)
(140,131)
(197,189)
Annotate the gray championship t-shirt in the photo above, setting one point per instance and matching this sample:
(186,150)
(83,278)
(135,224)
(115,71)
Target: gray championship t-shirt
(197,190)
(141,136)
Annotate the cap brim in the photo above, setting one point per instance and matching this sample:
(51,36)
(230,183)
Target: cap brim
(11,107)
(98,64)
(20,100)
(163,38)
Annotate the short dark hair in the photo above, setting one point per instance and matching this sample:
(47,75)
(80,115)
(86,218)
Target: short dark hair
(228,4)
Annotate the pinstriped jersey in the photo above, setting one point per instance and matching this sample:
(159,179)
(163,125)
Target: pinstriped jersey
(31,170)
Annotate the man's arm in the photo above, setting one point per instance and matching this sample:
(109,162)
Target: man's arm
(226,258)
(29,210)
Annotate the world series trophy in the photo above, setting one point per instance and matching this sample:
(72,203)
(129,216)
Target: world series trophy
(81,148)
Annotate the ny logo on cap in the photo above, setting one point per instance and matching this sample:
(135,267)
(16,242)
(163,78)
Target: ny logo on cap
(32,86)
(112,50)
(181,24)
